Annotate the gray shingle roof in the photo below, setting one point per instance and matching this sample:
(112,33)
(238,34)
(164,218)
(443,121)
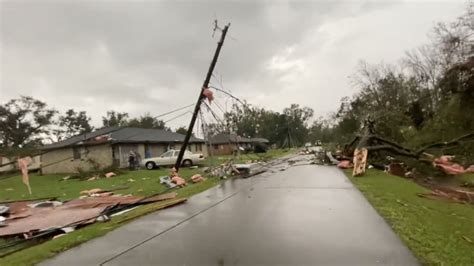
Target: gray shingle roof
(145,135)
(126,135)
(73,140)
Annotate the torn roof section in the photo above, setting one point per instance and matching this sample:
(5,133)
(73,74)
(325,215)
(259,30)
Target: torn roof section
(122,135)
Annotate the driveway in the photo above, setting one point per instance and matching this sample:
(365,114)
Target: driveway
(306,215)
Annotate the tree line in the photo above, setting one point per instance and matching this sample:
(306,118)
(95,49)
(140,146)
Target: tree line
(427,97)
(26,122)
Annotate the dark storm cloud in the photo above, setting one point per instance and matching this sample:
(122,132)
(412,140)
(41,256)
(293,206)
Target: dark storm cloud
(139,56)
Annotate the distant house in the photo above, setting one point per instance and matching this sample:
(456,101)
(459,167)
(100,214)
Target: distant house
(227,144)
(108,146)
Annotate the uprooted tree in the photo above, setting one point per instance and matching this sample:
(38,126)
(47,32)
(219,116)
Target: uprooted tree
(369,142)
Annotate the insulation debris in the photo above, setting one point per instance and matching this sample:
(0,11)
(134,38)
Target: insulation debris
(110,174)
(180,182)
(197,178)
(344,164)
(445,163)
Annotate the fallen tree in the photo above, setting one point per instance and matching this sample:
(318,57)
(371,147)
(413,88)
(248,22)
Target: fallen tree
(369,141)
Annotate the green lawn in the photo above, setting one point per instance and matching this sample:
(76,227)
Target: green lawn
(438,232)
(142,182)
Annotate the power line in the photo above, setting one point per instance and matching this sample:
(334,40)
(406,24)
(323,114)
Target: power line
(175,110)
(178,116)
(213,114)
(227,93)
(220,107)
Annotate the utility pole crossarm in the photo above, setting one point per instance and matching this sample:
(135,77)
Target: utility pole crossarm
(201,97)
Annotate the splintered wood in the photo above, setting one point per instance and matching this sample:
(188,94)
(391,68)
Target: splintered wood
(360,161)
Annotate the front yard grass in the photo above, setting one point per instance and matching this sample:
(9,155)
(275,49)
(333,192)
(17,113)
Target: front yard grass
(438,232)
(141,182)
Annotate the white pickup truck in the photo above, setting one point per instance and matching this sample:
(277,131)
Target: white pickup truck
(169,158)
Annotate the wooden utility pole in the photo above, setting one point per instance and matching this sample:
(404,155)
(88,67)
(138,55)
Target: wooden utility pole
(201,96)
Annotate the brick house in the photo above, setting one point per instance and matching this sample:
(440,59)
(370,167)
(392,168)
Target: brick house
(108,146)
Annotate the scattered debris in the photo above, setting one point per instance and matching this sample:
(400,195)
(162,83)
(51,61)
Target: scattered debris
(23,166)
(360,161)
(467,239)
(175,178)
(208,94)
(197,178)
(397,169)
(102,194)
(68,229)
(91,191)
(4,209)
(92,178)
(43,204)
(331,158)
(103,218)
(2,221)
(166,180)
(58,236)
(31,220)
(124,211)
(110,174)
(180,182)
(450,194)
(345,164)
(41,219)
(445,163)
(411,174)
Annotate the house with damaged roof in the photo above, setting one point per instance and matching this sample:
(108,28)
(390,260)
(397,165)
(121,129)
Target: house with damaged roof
(110,146)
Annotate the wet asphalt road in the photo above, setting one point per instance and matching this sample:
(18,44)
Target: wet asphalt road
(306,215)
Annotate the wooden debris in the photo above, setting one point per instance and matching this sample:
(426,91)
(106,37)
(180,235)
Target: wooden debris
(450,194)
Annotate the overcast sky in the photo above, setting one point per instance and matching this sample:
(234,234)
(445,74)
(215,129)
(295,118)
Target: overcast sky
(152,56)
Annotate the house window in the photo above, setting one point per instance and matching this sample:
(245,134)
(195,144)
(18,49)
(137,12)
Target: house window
(199,147)
(215,146)
(76,153)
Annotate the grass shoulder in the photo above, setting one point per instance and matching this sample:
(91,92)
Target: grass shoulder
(438,232)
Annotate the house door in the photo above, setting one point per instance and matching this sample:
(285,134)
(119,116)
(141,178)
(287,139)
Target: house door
(124,150)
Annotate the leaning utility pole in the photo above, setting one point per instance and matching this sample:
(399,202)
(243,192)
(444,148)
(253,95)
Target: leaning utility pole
(201,96)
